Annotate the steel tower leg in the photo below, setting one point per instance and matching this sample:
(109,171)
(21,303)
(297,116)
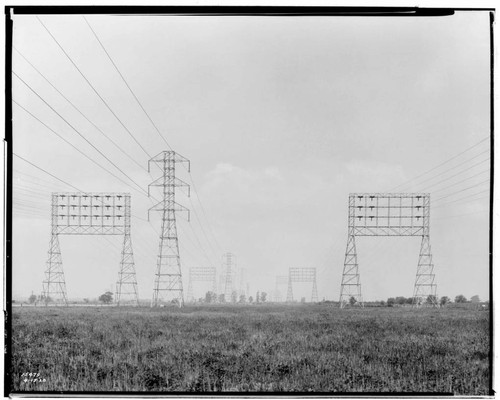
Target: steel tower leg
(54,284)
(314,297)
(189,297)
(425,288)
(289,293)
(351,286)
(126,286)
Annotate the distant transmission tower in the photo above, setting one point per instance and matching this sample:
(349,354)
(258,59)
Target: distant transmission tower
(389,214)
(168,277)
(229,264)
(302,275)
(201,274)
(90,214)
(280,282)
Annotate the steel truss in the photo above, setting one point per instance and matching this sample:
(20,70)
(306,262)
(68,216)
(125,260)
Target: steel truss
(167,288)
(302,275)
(90,214)
(389,214)
(228,266)
(201,274)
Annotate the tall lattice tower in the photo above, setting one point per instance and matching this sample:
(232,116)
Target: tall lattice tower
(228,266)
(54,284)
(167,288)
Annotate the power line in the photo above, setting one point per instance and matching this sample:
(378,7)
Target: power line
(80,112)
(458,173)
(463,190)
(463,180)
(128,86)
(443,163)
(94,89)
(65,140)
(48,173)
(78,132)
(456,166)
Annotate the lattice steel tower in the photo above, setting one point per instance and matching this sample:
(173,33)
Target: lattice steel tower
(167,286)
(302,275)
(229,264)
(389,214)
(201,274)
(90,214)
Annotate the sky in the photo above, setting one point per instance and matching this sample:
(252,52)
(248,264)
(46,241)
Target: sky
(281,118)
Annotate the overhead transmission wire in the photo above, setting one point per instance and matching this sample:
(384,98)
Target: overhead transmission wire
(443,163)
(70,144)
(126,84)
(94,89)
(59,179)
(80,112)
(77,131)
(158,131)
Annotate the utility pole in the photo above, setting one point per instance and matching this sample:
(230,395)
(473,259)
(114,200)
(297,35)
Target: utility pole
(167,288)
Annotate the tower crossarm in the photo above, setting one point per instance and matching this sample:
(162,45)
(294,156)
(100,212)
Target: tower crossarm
(168,205)
(170,156)
(171,183)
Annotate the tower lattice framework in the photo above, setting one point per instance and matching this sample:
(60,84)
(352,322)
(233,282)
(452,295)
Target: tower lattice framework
(167,287)
(389,214)
(201,274)
(90,214)
(228,266)
(302,275)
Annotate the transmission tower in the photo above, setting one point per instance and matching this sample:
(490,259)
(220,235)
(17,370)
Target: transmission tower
(167,286)
(302,275)
(389,214)
(229,264)
(90,214)
(280,282)
(201,274)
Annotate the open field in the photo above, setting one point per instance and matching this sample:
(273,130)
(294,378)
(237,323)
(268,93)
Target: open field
(252,348)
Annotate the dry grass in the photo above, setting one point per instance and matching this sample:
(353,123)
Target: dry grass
(252,348)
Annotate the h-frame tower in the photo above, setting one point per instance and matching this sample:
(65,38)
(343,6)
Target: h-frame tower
(302,275)
(228,266)
(168,276)
(90,214)
(389,214)
(201,274)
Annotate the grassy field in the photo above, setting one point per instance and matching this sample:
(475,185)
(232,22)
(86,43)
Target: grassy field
(306,348)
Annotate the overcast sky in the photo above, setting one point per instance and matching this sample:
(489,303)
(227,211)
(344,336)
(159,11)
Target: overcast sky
(282,118)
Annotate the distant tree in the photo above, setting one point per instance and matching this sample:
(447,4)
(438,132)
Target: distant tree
(391,301)
(352,300)
(243,299)
(409,300)
(263,297)
(431,299)
(209,297)
(400,300)
(460,299)
(32,298)
(106,298)
(382,303)
(444,300)
(85,300)
(303,300)
(222,298)
(250,299)
(257,297)
(475,299)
